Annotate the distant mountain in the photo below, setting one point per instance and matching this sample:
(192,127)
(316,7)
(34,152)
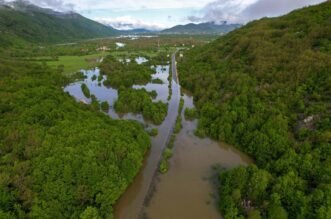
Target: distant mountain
(136,31)
(202,28)
(21,21)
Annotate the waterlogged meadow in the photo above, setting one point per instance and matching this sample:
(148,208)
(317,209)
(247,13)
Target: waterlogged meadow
(153,108)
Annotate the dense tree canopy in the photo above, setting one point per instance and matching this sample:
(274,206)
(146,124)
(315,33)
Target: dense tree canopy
(266,88)
(60,158)
(140,101)
(123,73)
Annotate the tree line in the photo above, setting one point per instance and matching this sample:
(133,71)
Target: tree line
(266,89)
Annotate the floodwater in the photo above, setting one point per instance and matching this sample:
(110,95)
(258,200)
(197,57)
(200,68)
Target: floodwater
(162,73)
(130,205)
(124,60)
(185,190)
(110,94)
(119,45)
(188,189)
(141,60)
(135,37)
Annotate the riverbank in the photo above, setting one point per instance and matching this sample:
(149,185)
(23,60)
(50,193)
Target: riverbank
(185,190)
(131,203)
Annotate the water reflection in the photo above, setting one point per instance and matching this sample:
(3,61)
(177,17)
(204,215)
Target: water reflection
(109,94)
(141,60)
(162,73)
(124,61)
(119,45)
(185,190)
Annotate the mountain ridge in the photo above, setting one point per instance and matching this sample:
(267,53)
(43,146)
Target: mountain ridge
(266,89)
(201,28)
(24,22)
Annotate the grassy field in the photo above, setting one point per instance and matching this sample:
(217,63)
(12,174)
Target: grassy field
(70,58)
(72,64)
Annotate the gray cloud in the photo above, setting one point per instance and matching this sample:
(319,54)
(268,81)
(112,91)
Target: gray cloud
(219,11)
(129,23)
(270,8)
(235,11)
(58,5)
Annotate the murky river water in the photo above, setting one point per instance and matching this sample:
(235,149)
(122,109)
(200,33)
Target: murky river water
(185,191)
(131,203)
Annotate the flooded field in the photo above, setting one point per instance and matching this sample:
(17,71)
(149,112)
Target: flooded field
(185,190)
(109,94)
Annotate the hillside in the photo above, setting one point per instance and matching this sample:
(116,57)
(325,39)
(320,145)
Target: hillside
(202,28)
(266,89)
(23,22)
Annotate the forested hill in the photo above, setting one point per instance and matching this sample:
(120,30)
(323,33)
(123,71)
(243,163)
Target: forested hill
(266,88)
(23,22)
(60,158)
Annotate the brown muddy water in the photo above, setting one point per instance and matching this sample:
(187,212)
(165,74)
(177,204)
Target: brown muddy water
(187,190)
(130,205)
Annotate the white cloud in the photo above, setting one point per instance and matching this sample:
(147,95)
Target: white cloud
(138,5)
(270,8)
(129,23)
(233,11)
(242,11)
(58,5)
(222,10)
(80,5)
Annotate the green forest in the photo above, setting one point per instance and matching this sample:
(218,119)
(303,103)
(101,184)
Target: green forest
(140,101)
(266,89)
(60,158)
(125,73)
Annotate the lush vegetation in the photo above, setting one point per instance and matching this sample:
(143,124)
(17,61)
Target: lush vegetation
(178,124)
(266,88)
(105,106)
(170,86)
(154,132)
(157,81)
(167,154)
(60,158)
(190,113)
(71,64)
(140,101)
(85,90)
(95,105)
(125,74)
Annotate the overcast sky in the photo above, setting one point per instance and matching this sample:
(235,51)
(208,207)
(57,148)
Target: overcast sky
(158,14)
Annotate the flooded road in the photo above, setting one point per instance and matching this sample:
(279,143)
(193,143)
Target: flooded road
(184,192)
(131,203)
